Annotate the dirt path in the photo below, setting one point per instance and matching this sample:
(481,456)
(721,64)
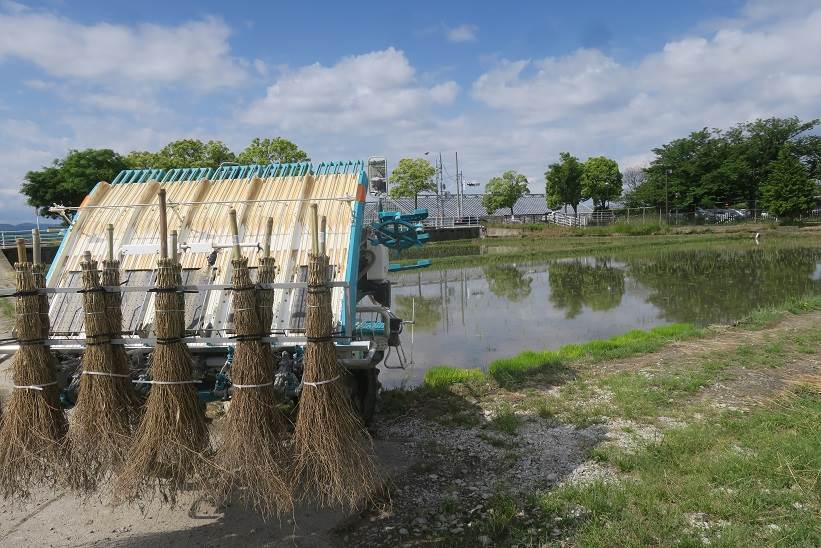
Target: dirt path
(723,338)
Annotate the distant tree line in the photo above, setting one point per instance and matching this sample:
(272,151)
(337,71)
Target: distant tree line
(772,164)
(68,180)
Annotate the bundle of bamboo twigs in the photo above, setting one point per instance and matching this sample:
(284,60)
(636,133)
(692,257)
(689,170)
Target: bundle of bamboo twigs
(333,458)
(101,422)
(169,452)
(253,449)
(33,429)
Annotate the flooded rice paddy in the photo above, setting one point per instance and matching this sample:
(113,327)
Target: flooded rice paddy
(468,317)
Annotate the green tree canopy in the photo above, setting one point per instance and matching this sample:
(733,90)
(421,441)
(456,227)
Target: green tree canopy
(601,181)
(410,177)
(712,167)
(266,151)
(504,191)
(68,180)
(787,191)
(563,181)
(183,153)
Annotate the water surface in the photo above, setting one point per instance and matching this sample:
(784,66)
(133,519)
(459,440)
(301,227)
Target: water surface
(467,317)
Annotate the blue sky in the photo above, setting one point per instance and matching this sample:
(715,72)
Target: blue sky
(508,85)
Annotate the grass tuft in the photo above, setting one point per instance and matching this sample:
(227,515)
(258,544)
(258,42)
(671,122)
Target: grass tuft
(507,371)
(506,420)
(443,376)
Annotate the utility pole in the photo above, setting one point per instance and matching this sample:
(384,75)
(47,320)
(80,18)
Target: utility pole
(458,188)
(440,192)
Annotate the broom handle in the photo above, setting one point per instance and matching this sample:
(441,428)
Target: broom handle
(322,235)
(266,246)
(22,256)
(163,226)
(235,233)
(35,247)
(314,230)
(110,242)
(174,246)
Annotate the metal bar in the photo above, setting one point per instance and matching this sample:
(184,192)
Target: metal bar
(273,200)
(6,292)
(342,345)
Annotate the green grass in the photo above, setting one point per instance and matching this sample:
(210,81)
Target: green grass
(767,316)
(6,309)
(564,242)
(517,368)
(627,229)
(505,420)
(442,376)
(637,396)
(753,476)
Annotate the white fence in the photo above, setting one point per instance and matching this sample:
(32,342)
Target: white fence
(584,219)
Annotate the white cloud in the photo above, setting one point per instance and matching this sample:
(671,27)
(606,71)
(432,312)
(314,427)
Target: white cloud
(463,33)
(523,112)
(195,53)
(752,67)
(361,91)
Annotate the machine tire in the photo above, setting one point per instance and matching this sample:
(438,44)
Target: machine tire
(367,385)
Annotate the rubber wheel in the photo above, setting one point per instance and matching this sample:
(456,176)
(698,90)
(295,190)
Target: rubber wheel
(364,395)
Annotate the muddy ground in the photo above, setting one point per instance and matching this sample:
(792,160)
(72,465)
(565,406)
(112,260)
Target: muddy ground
(443,475)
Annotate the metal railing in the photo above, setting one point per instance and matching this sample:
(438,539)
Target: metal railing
(48,237)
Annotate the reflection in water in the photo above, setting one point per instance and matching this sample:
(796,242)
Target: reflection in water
(720,287)
(427,311)
(468,317)
(508,282)
(578,283)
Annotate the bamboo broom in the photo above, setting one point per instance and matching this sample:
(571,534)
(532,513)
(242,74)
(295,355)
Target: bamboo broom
(255,430)
(266,274)
(113,305)
(168,454)
(333,456)
(101,423)
(32,433)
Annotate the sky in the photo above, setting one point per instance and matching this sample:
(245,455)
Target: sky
(507,86)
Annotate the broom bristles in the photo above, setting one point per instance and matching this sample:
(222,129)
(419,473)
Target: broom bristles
(169,452)
(102,420)
(252,448)
(33,429)
(333,454)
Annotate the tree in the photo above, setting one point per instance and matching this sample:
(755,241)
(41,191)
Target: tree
(787,191)
(67,181)
(563,181)
(410,177)
(632,178)
(183,153)
(268,151)
(601,181)
(504,191)
(711,167)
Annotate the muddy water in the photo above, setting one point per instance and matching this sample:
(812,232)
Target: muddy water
(467,317)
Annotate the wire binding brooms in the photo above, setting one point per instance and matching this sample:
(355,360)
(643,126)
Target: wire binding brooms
(33,429)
